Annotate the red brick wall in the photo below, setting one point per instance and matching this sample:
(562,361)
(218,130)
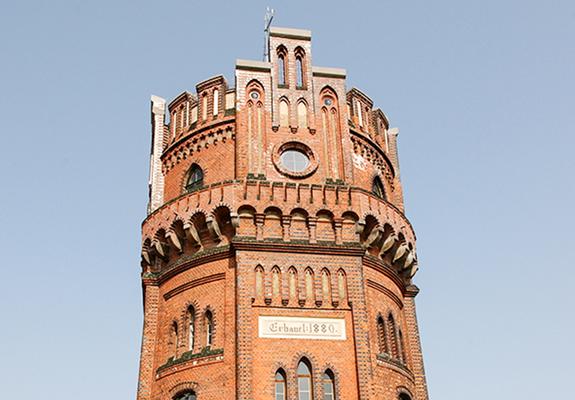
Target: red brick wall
(311,223)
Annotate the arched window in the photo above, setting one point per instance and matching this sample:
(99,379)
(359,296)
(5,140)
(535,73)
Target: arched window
(301,115)
(276,283)
(377,188)
(341,285)
(299,70)
(205,106)
(328,383)
(282,66)
(326,286)
(259,282)
(292,283)
(304,381)
(174,339)
(195,178)
(404,396)
(191,327)
(358,112)
(382,340)
(284,113)
(216,102)
(402,347)
(281,70)
(309,287)
(174,123)
(391,331)
(186,396)
(280,385)
(209,328)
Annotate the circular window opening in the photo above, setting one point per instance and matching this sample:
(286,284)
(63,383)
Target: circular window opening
(294,160)
(254,95)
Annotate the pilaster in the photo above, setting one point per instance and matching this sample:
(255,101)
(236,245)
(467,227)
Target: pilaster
(415,343)
(156,182)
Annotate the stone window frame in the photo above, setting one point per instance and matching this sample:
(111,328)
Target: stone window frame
(283,59)
(294,145)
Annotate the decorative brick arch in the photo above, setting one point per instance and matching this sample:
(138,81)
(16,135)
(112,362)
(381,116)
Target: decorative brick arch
(336,377)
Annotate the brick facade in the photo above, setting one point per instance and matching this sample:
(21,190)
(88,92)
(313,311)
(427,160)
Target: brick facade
(239,233)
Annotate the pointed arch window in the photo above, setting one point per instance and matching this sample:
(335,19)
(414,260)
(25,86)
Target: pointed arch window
(284,113)
(209,329)
(280,385)
(299,71)
(276,283)
(281,70)
(195,178)
(326,286)
(186,396)
(292,283)
(341,285)
(404,396)
(309,289)
(205,106)
(328,383)
(174,337)
(391,329)
(402,347)
(259,282)
(304,381)
(301,115)
(216,104)
(382,340)
(377,188)
(191,327)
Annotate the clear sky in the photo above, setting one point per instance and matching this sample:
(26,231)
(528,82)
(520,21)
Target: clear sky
(483,94)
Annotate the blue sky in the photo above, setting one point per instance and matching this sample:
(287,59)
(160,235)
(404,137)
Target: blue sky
(483,94)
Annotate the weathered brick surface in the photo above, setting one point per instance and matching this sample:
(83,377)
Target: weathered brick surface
(256,240)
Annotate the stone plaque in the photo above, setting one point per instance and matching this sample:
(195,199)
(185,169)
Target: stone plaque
(302,328)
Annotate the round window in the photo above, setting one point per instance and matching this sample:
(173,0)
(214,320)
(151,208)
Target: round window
(294,160)
(328,101)
(254,95)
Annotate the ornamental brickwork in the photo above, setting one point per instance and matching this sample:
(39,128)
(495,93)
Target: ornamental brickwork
(277,262)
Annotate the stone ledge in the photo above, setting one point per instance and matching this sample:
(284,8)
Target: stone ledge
(188,360)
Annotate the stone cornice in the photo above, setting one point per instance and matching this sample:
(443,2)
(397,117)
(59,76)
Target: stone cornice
(327,72)
(290,33)
(252,65)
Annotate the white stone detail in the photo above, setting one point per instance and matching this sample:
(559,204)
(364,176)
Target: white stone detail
(302,328)
(359,161)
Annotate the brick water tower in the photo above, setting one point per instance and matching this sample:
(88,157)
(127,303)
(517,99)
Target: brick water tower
(277,262)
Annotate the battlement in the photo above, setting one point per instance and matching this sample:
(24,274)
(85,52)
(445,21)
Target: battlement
(281,105)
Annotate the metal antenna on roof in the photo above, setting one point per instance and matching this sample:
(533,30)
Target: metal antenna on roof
(268,17)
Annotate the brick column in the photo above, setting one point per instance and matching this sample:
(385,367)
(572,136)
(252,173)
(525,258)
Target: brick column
(415,343)
(244,346)
(146,376)
(357,298)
